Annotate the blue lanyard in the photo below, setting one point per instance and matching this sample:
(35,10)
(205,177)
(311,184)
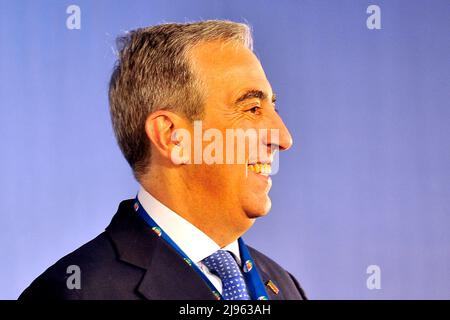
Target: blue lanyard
(254,283)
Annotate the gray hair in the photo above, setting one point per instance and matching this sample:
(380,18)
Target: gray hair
(153,72)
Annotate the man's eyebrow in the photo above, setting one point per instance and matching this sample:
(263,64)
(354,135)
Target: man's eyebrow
(251,94)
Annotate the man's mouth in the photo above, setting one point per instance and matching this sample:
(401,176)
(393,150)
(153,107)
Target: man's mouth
(261,168)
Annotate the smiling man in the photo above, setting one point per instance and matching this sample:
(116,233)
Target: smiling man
(181,237)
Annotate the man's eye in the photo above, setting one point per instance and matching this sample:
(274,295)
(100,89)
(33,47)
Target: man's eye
(254,110)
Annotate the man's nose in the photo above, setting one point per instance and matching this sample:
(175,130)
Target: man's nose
(278,136)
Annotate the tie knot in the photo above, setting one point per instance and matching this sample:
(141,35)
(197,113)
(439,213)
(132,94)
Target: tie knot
(222,264)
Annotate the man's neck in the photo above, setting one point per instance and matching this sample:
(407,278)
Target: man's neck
(189,204)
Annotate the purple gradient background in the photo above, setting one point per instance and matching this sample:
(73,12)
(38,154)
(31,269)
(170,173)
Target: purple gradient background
(367,181)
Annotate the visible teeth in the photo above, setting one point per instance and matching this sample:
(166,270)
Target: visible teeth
(261,168)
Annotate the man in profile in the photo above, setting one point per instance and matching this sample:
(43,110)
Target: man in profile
(181,237)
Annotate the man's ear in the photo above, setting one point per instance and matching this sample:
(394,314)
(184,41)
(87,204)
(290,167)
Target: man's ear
(159,128)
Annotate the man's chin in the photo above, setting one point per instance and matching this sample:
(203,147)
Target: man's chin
(260,209)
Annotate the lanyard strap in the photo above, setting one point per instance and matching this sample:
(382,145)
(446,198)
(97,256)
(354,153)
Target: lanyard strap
(254,283)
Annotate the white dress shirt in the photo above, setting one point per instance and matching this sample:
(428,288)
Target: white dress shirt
(191,240)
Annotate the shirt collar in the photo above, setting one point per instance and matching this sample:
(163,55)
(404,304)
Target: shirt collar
(194,242)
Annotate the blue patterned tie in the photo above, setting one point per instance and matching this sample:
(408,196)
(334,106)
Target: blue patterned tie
(222,264)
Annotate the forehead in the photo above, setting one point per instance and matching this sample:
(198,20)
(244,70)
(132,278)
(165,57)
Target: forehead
(228,69)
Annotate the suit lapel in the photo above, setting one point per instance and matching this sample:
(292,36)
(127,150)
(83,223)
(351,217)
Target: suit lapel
(265,279)
(167,275)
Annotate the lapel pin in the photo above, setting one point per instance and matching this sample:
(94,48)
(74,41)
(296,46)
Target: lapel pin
(272,286)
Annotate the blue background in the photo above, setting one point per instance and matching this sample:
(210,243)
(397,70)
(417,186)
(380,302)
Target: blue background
(366,182)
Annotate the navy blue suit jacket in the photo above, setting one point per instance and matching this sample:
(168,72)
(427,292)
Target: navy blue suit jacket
(128,261)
